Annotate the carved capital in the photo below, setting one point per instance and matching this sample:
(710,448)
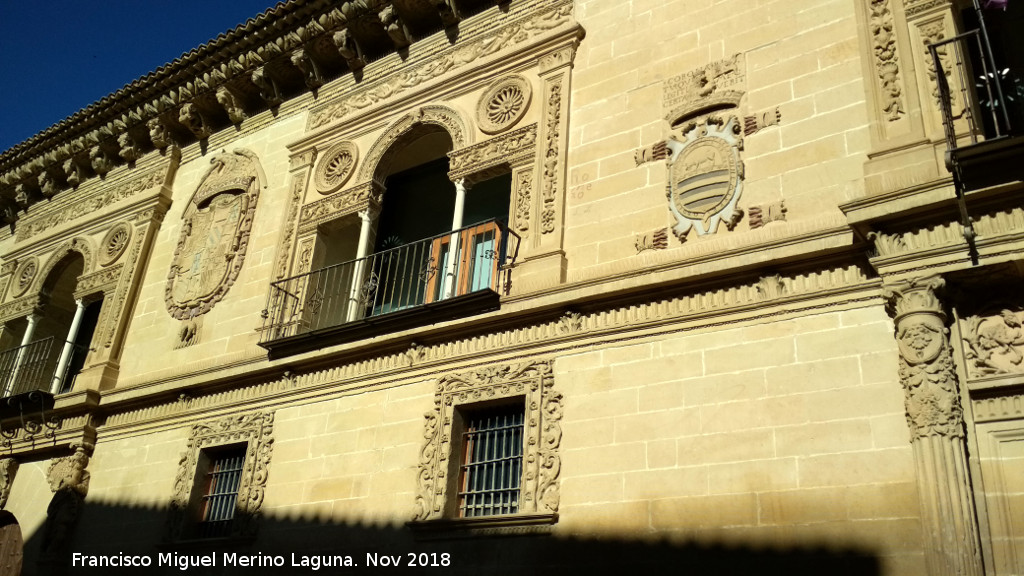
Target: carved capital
(926,369)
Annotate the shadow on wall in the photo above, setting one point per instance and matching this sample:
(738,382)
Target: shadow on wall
(112,529)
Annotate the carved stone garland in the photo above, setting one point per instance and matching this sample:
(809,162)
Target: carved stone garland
(215,235)
(550,165)
(256,431)
(936,425)
(542,434)
(887,64)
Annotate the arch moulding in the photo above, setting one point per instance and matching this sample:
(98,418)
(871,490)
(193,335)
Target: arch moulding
(382,152)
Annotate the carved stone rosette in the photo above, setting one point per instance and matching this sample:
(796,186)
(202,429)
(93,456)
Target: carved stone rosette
(336,167)
(534,382)
(256,431)
(503,104)
(935,417)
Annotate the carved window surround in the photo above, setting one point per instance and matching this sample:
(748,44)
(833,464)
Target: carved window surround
(256,431)
(438,471)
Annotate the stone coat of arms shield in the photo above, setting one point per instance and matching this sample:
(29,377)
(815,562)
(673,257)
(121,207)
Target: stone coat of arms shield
(214,237)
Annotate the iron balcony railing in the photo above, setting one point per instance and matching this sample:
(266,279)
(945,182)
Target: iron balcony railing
(28,368)
(433,270)
(979,99)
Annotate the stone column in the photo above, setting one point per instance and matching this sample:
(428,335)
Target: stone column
(454,250)
(30,330)
(69,344)
(935,418)
(367,219)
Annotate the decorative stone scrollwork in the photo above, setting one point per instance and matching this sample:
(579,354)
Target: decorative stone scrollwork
(994,343)
(552,132)
(926,361)
(887,64)
(8,469)
(336,167)
(715,86)
(256,431)
(348,201)
(504,104)
(542,434)
(25,274)
(512,149)
(114,243)
(215,235)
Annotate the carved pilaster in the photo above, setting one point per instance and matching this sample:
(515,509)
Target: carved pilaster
(543,258)
(935,417)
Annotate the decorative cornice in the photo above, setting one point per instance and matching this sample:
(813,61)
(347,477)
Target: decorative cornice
(299,43)
(715,307)
(451,59)
(32,225)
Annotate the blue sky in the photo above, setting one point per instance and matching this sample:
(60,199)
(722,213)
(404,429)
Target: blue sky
(59,56)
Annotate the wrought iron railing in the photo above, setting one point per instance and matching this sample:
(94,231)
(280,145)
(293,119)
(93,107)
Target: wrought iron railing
(457,263)
(28,368)
(978,99)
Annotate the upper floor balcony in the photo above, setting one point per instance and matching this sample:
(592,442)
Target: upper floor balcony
(447,276)
(32,374)
(981,96)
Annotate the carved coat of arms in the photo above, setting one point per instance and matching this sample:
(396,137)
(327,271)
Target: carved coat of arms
(705,177)
(211,248)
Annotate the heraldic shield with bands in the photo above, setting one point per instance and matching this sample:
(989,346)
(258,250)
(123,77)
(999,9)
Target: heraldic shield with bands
(214,236)
(706,177)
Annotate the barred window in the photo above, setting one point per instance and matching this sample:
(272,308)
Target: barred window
(492,462)
(220,495)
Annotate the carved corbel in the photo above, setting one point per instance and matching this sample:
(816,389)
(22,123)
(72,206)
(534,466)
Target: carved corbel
(310,71)
(100,161)
(394,26)
(448,12)
(47,185)
(231,104)
(129,148)
(190,117)
(349,49)
(268,87)
(158,133)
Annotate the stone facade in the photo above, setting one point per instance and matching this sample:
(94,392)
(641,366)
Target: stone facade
(750,320)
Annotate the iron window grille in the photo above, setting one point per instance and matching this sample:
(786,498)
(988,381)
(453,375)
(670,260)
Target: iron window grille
(220,493)
(492,462)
